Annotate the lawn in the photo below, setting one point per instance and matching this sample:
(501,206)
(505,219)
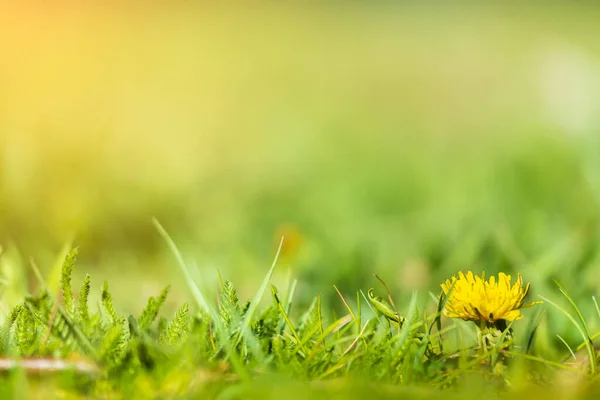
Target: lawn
(241,202)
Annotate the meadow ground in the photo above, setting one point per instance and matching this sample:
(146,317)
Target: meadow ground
(176,147)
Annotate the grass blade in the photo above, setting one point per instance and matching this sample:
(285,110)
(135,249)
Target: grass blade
(245,329)
(202,302)
(189,279)
(567,346)
(533,327)
(586,338)
(596,305)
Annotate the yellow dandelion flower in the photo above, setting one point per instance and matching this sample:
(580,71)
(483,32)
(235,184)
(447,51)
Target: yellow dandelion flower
(472,298)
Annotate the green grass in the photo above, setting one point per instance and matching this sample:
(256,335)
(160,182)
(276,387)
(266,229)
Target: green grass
(236,349)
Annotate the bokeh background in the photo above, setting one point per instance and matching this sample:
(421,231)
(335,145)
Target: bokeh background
(408,141)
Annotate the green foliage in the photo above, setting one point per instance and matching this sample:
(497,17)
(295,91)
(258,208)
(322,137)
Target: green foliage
(377,344)
(267,326)
(111,346)
(25,331)
(177,329)
(107,304)
(115,345)
(83,312)
(310,322)
(229,307)
(6,327)
(152,308)
(65,278)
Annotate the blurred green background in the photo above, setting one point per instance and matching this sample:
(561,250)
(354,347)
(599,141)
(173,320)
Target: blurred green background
(408,141)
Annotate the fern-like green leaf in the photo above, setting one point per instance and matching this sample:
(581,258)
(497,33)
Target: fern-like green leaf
(83,313)
(109,343)
(152,308)
(108,304)
(229,306)
(162,324)
(115,344)
(65,279)
(6,328)
(267,325)
(163,296)
(310,321)
(177,329)
(148,314)
(25,331)
(122,344)
(62,327)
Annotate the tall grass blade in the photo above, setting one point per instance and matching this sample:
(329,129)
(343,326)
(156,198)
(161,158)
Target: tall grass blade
(245,328)
(584,335)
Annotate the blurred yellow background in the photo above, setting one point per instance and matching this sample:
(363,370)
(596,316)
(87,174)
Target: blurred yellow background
(382,136)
